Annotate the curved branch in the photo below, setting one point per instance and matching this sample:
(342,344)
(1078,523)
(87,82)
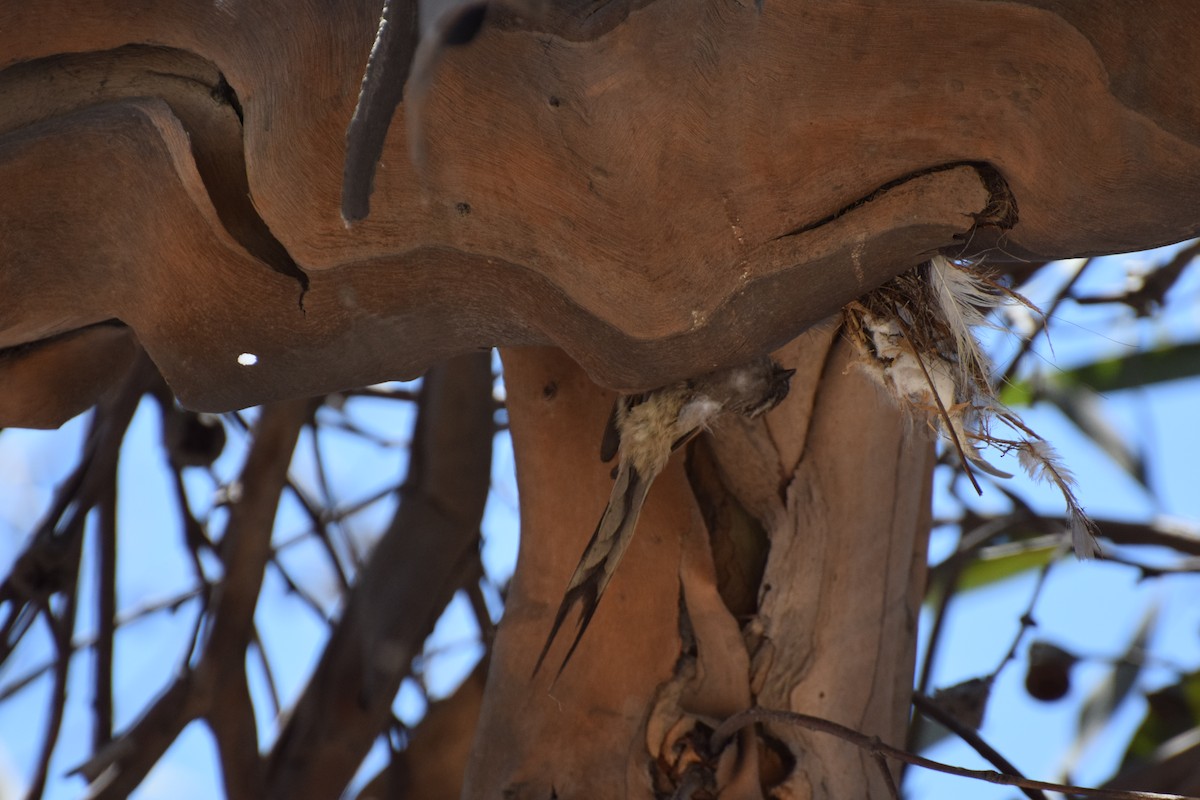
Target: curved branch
(426,555)
(600,193)
(872,745)
(935,712)
(246,546)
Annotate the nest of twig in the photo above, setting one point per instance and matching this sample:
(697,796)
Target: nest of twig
(916,337)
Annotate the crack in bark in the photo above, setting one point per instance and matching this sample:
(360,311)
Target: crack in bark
(1000,211)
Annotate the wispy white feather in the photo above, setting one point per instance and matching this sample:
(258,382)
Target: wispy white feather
(942,370)
(964,301)
(1042,463)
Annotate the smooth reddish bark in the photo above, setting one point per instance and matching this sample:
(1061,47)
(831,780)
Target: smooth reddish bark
(657,191)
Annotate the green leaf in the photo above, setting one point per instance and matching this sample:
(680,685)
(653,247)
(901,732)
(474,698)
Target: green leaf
(1003,561)
(1172,710)
(1141,369)
(1170,363)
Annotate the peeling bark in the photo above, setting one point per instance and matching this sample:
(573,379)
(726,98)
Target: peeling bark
(832,632)
(658,189)
(620,199)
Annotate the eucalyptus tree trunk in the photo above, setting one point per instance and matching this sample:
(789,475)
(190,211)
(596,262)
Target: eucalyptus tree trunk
(778,563)
(173,183)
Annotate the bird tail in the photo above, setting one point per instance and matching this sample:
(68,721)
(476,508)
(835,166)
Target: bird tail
(600,558)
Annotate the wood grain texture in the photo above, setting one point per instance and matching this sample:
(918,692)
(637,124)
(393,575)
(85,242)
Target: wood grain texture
(556,415)
(833,625)
(658,189)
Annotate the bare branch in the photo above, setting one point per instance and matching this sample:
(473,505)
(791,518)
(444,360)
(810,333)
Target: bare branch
(123,764)
(233,726)
(1184,540)
(1026,619)
(888,780)
(194,536)
(47,565)
(106,609)
(1152,293)
(246,546)
(171,603)
(427,554)
(268,673)
(483,618)
(873,745)
(60,628)
(330,502)
(931,709)
(1027,342)
(118,768)
(297,589)
(321,530)
(947,573)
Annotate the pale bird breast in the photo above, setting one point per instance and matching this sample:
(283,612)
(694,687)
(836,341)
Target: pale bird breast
(697,413)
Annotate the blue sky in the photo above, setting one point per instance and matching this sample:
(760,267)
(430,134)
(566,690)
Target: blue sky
(1092,607)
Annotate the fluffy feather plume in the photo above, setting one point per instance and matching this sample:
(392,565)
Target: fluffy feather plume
(916,335)
(964,302)
(1042,462)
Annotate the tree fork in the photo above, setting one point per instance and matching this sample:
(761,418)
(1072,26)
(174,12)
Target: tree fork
(833,634)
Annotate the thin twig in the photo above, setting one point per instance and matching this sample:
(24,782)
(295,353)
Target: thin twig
(1121,532)
(872,744)
(268,675)
(327,495)
(245,549)
(49,566)
(349,510)
(935,712)
(294,587)
(44,567)
(949,591)
(61,628)
(429,551)
(58,699)
(1187,566)
(343,423)
(888,780)
(948,572)
(192,653)
(1026,619)
(14,687)
(932,648)
(106,609)
(1040,325)
(1152,293)
(321,531)
(483,618)
(194,535)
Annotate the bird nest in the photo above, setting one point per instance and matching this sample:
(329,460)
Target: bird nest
(915,335)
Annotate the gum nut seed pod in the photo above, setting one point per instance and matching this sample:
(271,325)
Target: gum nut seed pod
(193,440)
(1048,677)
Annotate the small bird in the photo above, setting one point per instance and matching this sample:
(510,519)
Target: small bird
(644,430)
